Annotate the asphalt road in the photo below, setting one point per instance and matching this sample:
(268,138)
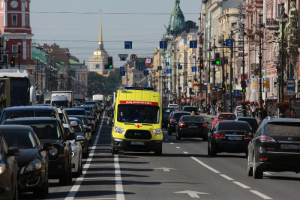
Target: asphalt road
(185,171)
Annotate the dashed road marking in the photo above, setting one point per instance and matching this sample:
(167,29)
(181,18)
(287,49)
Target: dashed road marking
(178,147)
(227,177)
(260,194)
(171,143)
(241,184)
(205,165)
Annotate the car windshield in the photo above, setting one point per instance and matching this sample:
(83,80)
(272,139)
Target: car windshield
(60,103)
(234,126)
(75,112)
(167,111)
(173,105)
(226,116)
(77,128)
(178,115)
(192,119)
(26,113)
(19,138)
(44,130)
(190,109)
(138,113)
(251,122)
(282,129)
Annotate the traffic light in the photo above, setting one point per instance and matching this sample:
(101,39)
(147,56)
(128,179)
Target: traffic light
(223,88)
(12,62)
(5,59)
(201,64)
(217,59)
(110,63)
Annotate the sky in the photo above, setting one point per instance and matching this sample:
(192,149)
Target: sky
(74,24)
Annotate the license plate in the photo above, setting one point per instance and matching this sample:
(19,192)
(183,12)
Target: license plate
(137,143)
(193,126)
(234,138)
(290,146)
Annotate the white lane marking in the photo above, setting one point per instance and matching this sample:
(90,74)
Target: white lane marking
(79,180)
(166,169)
(171,143)
(260,194)
(205,165)
(227,177)
(178,147)
(186,152)
(118,176)
(193,194)
(241,184)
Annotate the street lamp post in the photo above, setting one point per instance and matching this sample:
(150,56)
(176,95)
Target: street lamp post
(231,70)
(223,74)
(214,69)
(19,53)
(260,109)
(244,111)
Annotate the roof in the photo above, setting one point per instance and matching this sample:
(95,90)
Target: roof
(37,53)
(232,121)
(74,108)
(33,119)
(30,108)
(13,127)
(140,95)
(175,112)
(292,120)
(19,73)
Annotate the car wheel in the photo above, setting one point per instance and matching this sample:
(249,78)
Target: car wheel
(249,169)
(213,151)
(169,132)
(158,152)
(113,150)
(41,193)
(78,173)
(256,174)
(64,179)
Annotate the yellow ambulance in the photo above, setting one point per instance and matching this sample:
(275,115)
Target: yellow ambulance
(137,121)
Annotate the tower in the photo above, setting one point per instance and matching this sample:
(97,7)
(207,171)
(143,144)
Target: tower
(100,56)
(177,21)
(15,26)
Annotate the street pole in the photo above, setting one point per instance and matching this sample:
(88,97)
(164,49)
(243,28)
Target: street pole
(244,111)
(281,80)
(209,67)
(214,70)
(19,52)
(260,112)
(223,74)
(231,75)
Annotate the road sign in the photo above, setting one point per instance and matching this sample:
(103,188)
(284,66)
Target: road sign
(229,42)
(179,66)
(128,79)
(122,68)
(163,44)
(290,84)
(167,64)
(141,68)
(195,88)
(179,88)
(228,88)
(122,73)
(148,61)
(236,92)
(166,169)
(159,67)
(290,92)
(133,57)
(37,67)
(146,72)
(169,71)
(192,194)
(219,84)
(193,44)
(205,87)
(128,44)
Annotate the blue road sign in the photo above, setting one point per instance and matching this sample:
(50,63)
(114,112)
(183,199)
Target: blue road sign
(132,85)
(128,79)
(219,84)
(146,72)
(169,71)
(194,69)
(167,64)
(179,66)
(122,68)
(163,44)
(167,89)
(228,87)
(290,84)
(159,68)
(193,44)
(128,44)
(229,42)
(236,92)
(205,87)
(141,68)
(122,73)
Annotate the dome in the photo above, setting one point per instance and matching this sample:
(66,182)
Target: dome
(177,20)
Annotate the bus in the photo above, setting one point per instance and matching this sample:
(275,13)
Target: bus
(137,121)
(16,88)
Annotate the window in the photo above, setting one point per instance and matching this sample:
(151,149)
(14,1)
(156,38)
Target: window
(15,50)
(26,20)
(19,138)
(97,66)
(234,24)
(2,21)
(14,20)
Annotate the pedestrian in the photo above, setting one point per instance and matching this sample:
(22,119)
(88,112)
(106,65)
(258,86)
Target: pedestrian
(253,110)
(207,108)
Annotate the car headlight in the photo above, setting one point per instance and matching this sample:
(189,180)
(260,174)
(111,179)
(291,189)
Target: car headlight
(156,132)
(74,154)
(53,151)
(2,168)
(34,165)
(119,130)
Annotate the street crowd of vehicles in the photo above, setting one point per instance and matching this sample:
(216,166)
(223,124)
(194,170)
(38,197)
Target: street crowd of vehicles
(42,142)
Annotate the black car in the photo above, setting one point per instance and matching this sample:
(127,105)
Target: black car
(80,131)
(50,130)
(96,103)
(230,137)
(85,122)
(251,121)
(191,126)
(173,119)
(90,115)
(275,147)
(33,159)
(165,116)
(28,111)
(8,170)
(191,109)
(76,111)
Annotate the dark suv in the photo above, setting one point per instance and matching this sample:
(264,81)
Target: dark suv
(275,147)
(173,120)
(50,130)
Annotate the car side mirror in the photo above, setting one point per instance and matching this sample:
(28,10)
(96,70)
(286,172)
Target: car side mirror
(80,138)
(47,146)
(73,123)
(13,151)
(71,136)
(207,123)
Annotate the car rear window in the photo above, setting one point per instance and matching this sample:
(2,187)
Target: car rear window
(226,116)
(178,115)
(233,126)
(26,113)
(192,119)
(190,109)
(283,129)
(251,122)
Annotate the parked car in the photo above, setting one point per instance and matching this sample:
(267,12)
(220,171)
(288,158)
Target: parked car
(8,170)
(251,121)
(165,116)
(33,160)
(223,117)
(175,106)
(191,109)
(50,130)
(173,119)
(80,131)
(230,137)
(275,147)
(28,111)
(191,126)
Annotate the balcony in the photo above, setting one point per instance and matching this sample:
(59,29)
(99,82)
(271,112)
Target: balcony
(272,24)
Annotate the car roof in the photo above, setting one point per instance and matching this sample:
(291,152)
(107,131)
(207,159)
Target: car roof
(75,116)
(74,119)
(33,119)
(282,119)
(30,108)
(245,118)
(74,108)
(175,112)
(226,113)
(14,127)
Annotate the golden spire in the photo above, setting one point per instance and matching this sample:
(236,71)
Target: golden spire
(100,35)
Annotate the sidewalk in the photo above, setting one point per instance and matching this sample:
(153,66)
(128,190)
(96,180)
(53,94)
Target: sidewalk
(207,116)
